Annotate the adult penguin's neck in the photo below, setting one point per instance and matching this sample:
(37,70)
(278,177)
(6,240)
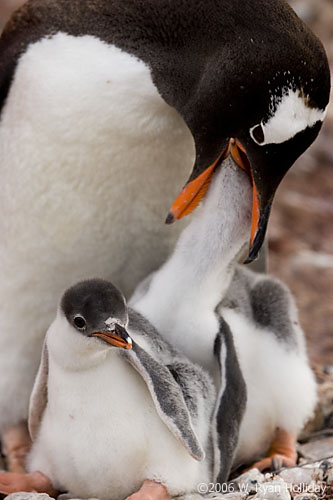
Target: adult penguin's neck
(201,267)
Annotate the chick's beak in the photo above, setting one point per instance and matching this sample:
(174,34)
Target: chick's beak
(115,335)
(195,190)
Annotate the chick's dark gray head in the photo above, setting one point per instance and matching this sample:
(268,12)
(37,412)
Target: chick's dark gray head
(93,305)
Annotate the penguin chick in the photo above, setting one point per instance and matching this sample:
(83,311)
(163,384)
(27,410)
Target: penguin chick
(200,285)
(114,409)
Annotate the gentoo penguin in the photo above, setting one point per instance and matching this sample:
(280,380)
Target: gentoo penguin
(114,406)
(200,284)
(106,105)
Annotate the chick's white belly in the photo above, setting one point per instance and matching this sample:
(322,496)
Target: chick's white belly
(101,436)
(94,439)
(281,390)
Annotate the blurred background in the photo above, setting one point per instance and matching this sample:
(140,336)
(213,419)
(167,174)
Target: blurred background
(301,226)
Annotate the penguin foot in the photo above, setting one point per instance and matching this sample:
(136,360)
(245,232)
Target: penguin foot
(282,453)
(150,490)
(16,444)
(36,482)
(274,463)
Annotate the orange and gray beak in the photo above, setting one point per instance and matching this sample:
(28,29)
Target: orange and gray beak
(195,190)
(116,336)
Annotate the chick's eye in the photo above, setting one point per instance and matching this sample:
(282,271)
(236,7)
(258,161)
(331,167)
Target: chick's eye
(257,134)
(80,322)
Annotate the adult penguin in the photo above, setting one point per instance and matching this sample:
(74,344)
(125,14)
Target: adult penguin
(105,107)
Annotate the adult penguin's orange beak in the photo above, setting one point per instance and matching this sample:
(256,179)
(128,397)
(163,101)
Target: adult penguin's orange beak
(195,190)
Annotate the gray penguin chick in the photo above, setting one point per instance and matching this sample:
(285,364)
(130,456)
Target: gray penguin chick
(114,405)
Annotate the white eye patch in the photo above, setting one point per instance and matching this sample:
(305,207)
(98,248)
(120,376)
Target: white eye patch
(291,116)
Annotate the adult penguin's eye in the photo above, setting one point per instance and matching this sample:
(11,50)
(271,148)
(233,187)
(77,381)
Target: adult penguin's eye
(257,134)
(80,322)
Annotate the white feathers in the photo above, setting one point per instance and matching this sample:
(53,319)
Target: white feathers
(183,294)
(93,132)
(292,115)
(101,422)
(281,388)
(181,302)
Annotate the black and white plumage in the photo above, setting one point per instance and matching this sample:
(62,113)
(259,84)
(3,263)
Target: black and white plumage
(271,349)
(230,404)
(106,105)
(201,286)
(105,418)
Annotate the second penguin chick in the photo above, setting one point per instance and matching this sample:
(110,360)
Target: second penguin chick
(200,285)
(115,410)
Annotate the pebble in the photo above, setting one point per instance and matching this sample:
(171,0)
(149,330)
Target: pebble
(317,450)
(28,496)
(273,490)
(228,496)
(68,496)
(306,496)
(195,496)
(328,369)
(250,481)
(296,475)
(330,476)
